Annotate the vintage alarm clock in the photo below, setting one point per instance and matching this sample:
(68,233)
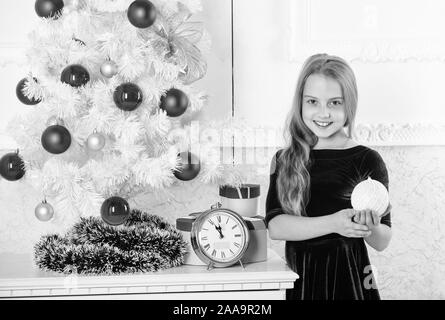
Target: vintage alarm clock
(219,237)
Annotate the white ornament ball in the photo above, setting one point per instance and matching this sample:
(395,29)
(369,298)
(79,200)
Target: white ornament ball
(44,211)
(95,141)
(108,69)
(370,194)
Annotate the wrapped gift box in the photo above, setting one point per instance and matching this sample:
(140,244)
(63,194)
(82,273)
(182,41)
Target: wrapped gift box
(256,251)
(244,199)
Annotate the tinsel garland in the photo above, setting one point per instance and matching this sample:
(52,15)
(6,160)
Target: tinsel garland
(144,243)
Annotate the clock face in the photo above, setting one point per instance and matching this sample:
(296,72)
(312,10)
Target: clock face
(222,237)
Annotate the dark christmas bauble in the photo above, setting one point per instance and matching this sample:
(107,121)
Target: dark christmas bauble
(56,139)
(174,102)
(141,13)
(189,166)
(75,75)
(12,167)
(48,8)
(19,92)
(127,96)
(115,211)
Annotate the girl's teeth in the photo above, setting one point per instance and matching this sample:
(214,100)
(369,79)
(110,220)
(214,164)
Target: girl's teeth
(322,124)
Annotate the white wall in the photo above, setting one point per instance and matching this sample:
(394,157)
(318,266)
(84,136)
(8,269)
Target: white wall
(396,48)
(264,77)
(218,81)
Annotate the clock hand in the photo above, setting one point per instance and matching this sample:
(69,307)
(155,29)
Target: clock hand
(218,228)
(220,231)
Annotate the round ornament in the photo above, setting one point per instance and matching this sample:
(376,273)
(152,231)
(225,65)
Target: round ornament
(220,237)
(370,194)
(189,166)
(127,96)
(44,211)
(56,139)
(12,167)
(174,102)
(141,13)
(115,211)
(108,69)
(48,8)
(95,141)
(21,96)
(75,75)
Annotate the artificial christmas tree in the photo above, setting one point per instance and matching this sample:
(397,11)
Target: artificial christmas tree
(112,84)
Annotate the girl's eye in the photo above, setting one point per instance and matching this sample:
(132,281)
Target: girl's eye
(337,102)
(311,101)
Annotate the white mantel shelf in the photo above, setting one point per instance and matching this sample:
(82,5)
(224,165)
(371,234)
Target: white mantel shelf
(21,279)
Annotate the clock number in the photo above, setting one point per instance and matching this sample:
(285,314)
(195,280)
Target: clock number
(223,255)
(227,220)
(219,219)
(204,238)
(207,246)
(211,222)
(236,244)
(214,252)
(234,226)
(238,235)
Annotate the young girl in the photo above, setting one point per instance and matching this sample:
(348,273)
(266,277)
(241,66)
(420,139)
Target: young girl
(308,203)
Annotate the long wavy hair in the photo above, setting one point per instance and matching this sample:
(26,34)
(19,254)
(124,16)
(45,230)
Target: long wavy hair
(293,181)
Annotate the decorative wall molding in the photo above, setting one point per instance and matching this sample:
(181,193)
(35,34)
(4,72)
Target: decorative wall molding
(381,134)
(366,49)
(392,134)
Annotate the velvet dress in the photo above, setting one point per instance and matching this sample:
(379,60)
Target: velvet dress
(332,267)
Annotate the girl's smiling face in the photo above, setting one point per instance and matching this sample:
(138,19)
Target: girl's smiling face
(323,109)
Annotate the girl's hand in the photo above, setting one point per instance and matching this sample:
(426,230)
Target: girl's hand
(370,218)
(343,224)
(367,217)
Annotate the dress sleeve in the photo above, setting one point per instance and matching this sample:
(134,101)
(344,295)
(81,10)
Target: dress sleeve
(273,205)
(374,166)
